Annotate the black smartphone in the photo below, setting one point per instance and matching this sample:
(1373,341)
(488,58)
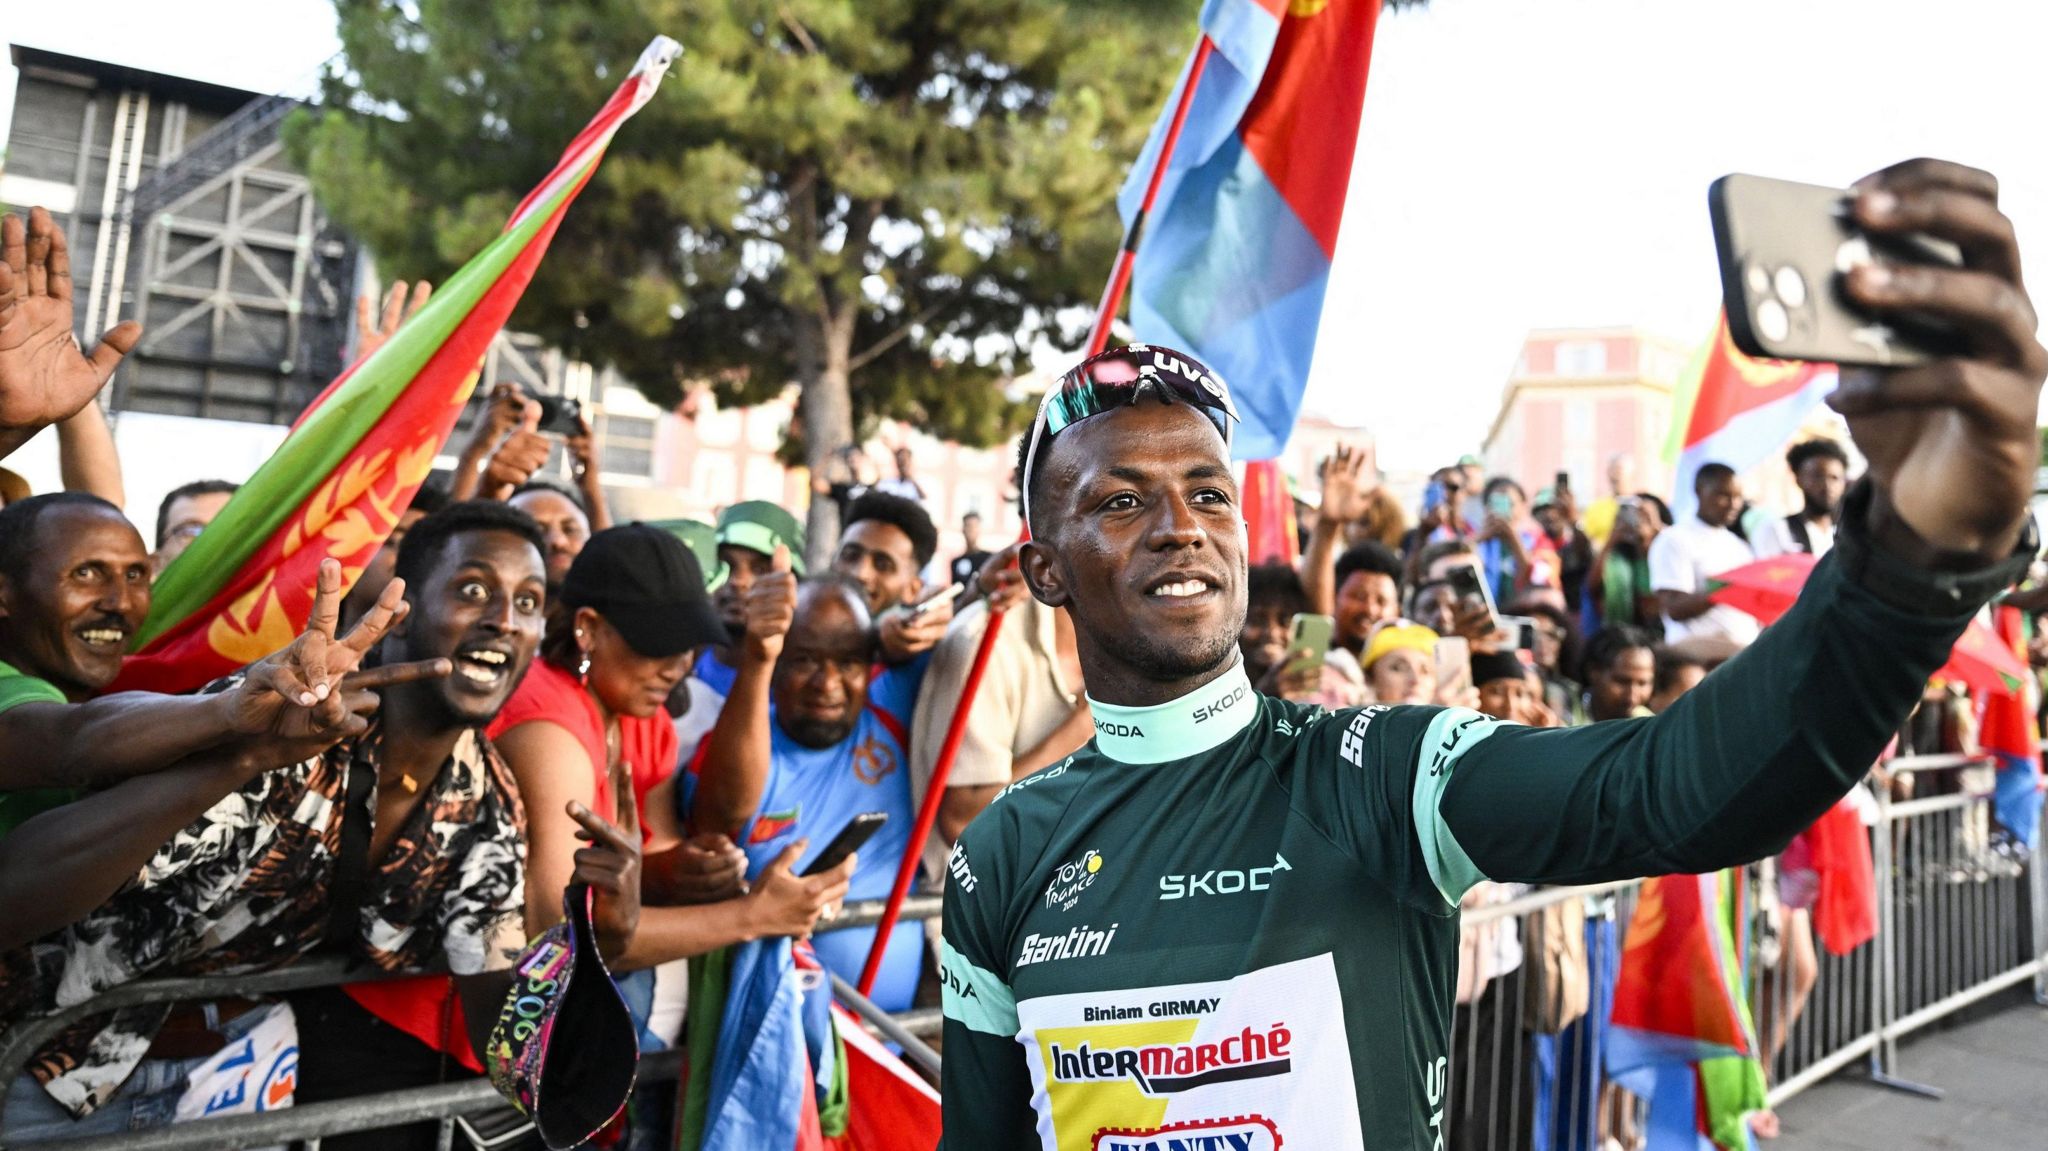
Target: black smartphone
(1784,249)
(1467,583)
(560,415)
(857,831)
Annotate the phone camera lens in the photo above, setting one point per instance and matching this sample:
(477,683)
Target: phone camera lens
(1791,286)
(1772,321)
(1759,279)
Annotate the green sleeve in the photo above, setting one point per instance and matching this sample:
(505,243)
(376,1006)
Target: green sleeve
(1729,774)
(1371,779)
(984,1085)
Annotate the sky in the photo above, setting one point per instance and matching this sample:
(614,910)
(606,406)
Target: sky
(1521,163)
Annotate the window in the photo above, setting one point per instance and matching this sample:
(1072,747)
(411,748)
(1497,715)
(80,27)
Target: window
(1581,358)
(628,446)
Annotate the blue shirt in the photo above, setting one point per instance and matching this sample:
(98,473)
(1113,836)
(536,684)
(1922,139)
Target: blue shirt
(813,792)
(716,674)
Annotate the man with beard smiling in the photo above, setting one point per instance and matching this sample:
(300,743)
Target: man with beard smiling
(401,845)
(74,586)
(1234,918)
(836,744)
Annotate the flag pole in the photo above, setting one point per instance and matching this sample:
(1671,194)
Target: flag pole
(1098,340)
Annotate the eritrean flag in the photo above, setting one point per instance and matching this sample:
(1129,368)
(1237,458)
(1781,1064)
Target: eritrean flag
(1741,412)
(1681,1034)
(350,466)
(1234,260)
(774,1065)
(2011,733)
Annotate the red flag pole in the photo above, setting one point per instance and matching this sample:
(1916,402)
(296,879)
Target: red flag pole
(1098,339)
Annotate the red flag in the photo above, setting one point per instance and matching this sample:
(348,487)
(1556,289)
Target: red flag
(1846,913)
(1765,589)
(1269,515)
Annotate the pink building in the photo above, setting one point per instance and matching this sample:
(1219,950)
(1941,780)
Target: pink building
(1579,397)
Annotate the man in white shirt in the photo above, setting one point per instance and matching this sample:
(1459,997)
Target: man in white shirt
(1821,469)
(1684,558)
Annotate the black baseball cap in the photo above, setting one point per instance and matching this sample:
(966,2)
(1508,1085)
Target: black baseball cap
(645,582)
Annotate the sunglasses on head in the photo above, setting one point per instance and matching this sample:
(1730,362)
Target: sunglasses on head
(1116,379)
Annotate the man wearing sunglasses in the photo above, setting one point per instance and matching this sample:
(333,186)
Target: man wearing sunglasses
(1232,920)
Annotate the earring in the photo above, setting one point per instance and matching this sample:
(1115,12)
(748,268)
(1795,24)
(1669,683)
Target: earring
(583,655)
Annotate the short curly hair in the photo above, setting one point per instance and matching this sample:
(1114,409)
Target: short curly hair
(902,513)
(422,547)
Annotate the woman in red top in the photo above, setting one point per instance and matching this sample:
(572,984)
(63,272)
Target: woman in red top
(587,724)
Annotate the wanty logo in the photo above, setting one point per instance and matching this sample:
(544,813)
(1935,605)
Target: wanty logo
(1244,1133)
(1169,1068)
(1072,879)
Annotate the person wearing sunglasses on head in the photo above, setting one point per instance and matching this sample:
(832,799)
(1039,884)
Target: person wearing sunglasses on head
(1235,917)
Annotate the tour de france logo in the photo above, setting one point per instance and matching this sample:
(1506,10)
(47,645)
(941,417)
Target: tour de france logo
(1072,879)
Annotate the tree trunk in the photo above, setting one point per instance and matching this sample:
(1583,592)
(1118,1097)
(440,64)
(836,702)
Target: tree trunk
(828,424)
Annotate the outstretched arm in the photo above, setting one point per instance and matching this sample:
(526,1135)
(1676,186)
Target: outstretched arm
(86,458)
(60,865)
(1767,743)
(44,375)
(1346,496)
(1730,773)
(288,694)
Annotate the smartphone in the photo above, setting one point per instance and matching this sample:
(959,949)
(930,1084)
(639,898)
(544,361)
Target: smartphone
(1521,632)
(944,595)
(1468,583)
(560,416)
(1453,668)
(1784,248)
(1433,496)
(1563,484)
(1500,504)
(1308,640)
(857,831)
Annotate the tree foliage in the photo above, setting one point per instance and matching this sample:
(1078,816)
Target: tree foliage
(888,202)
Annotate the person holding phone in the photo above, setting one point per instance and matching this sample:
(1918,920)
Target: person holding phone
(1684,560)
(1226,864)
(588,726)
(813,734)
(1516,555)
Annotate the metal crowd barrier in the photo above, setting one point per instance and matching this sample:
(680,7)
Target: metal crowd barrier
(443,1103)
(1958,921)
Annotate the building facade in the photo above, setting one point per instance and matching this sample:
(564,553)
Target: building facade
(1576,399)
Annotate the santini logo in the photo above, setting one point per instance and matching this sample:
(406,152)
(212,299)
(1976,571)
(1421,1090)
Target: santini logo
(1169,1068)
(1221,882)
(963,875)
(1078,943)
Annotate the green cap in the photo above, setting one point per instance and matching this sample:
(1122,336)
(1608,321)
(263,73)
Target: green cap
(758,525)
(702,540)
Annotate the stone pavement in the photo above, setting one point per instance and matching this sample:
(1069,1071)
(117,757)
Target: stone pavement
(1993,1070)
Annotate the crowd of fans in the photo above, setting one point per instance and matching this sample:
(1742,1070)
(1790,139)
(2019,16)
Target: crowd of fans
(517,694)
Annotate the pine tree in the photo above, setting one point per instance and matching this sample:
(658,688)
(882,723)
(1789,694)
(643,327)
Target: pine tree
(886,202)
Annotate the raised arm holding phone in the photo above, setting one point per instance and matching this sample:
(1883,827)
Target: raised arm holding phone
(1352,835)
